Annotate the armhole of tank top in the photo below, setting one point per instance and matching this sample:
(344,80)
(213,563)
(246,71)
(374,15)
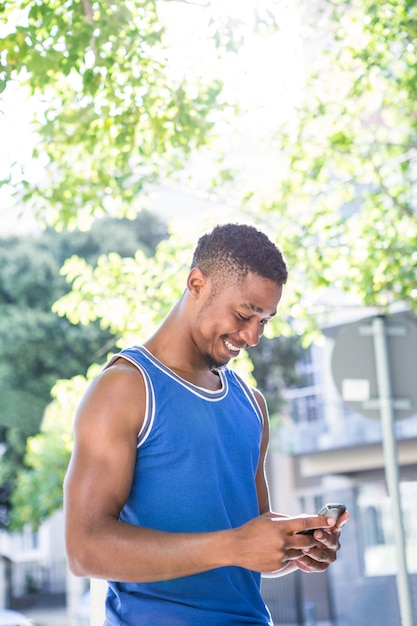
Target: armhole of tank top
(250,396)
(148,418)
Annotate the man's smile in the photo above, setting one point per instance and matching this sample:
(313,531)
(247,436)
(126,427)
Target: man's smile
(232,347)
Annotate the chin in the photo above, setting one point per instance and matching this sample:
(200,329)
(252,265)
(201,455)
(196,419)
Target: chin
(213,363)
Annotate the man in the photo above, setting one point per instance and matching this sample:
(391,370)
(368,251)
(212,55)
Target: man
(166,495)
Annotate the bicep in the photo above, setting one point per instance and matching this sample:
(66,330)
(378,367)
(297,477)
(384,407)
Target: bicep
(101,468)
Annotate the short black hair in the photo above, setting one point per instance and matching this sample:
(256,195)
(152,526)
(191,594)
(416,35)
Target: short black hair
(234,250)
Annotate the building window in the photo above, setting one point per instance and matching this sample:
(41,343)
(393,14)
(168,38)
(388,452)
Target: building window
(305,405)
(29,540)
(377,531)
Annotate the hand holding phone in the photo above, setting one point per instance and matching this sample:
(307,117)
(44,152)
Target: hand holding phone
(333,510)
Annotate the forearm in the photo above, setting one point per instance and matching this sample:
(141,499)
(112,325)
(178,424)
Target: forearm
(103,547)
(126,553)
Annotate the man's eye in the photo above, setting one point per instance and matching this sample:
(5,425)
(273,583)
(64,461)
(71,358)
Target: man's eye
(264,322)
(243,318)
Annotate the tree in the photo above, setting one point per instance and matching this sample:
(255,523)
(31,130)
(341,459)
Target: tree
(344,207)
(37,346)
(346,202)
(111,112)
(347,153)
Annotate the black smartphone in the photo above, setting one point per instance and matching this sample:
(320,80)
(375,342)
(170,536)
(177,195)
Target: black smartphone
(333,510)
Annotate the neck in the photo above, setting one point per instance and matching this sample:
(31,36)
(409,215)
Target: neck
(171,344)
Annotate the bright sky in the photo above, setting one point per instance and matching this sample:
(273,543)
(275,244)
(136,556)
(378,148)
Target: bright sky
(265,76)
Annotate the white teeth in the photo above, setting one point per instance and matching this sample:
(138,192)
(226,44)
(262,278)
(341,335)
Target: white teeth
(230,346)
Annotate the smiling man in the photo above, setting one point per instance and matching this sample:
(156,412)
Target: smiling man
(166,495)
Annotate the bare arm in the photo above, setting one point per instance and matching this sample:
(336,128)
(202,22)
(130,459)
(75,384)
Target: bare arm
(97,486)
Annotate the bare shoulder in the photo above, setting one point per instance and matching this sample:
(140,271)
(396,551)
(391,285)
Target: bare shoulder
(115,400)
(107,424)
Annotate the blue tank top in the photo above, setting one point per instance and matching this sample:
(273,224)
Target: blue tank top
(197,457)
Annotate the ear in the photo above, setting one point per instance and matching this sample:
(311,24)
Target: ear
(196,282)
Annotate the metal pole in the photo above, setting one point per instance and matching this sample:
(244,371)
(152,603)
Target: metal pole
(391,466)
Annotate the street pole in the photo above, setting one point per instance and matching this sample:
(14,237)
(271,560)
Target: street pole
(391,465)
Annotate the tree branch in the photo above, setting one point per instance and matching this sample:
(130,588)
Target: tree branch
(88,11)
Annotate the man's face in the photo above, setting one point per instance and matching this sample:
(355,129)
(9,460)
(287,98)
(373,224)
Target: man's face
(234,318)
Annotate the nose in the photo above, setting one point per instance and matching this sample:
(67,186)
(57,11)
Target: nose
(252,332)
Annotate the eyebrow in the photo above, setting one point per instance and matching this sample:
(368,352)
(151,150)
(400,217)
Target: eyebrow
(255,309)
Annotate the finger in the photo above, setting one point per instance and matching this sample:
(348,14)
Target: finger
(306,525)
(342,520)
(302,541)
(340,523)
(327,538)
(322,554)
(295,555)
(306,564)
